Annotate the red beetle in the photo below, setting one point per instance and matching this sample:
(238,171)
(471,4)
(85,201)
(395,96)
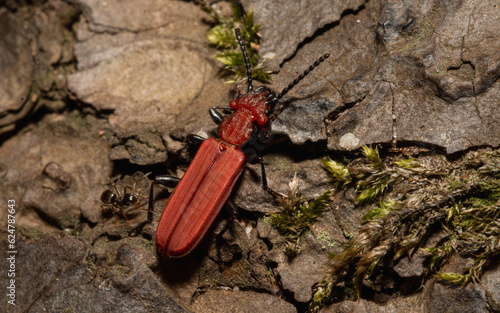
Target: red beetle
(209,180)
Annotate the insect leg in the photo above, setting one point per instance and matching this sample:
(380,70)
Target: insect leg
(232,211)
(215,115)
(273,193)
(164,180)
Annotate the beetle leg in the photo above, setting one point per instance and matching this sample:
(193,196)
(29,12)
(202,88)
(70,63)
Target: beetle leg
(273,193)
(215,115)
(193,143)
(194,140)
(164,180)
(232,211)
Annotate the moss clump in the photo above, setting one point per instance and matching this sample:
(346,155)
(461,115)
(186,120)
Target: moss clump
(417,197)
(223,38)
(297,215)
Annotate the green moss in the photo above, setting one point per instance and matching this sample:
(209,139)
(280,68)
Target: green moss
(329,242)
(297,215)
(383,209)
(458,199)
(92,268)
(223,38)
(338,171)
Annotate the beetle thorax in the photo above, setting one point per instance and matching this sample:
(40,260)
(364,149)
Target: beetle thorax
(249,112)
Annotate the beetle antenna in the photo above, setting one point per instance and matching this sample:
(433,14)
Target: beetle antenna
(245,57)
(295,82)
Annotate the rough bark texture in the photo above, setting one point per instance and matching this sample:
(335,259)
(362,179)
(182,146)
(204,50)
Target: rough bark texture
(98,89)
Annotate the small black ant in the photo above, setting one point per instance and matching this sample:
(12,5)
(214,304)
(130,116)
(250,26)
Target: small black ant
(114,199)
(109,197)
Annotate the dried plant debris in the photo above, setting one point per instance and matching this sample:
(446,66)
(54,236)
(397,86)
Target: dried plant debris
(411,199)
(223,38)
(297,215)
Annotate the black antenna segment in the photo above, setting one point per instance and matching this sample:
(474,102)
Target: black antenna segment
(301,76)
(295,82)
(245,57)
